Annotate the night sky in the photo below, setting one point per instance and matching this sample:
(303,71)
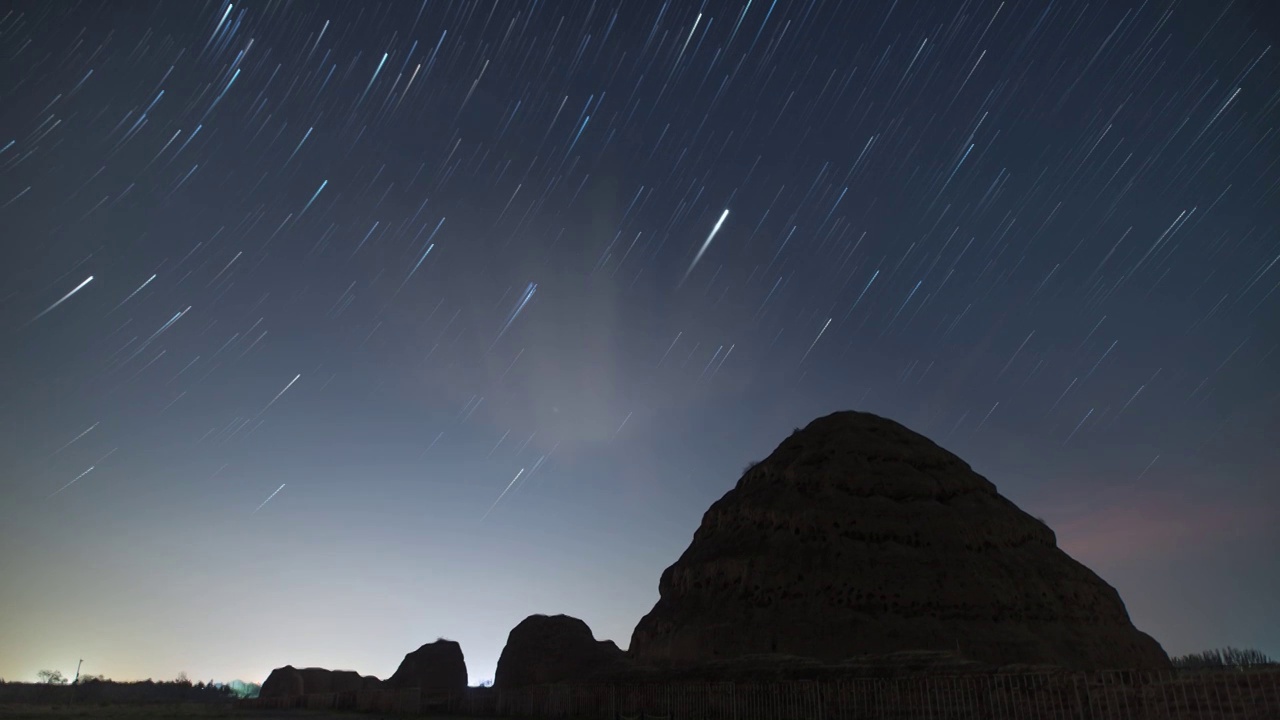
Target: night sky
(328,328)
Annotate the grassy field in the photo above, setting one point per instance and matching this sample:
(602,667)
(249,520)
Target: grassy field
(186,711)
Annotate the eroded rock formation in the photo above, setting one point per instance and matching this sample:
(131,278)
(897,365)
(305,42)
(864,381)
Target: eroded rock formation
(434,666)
(282,682)
(290,681)
(857,536)
(551,649)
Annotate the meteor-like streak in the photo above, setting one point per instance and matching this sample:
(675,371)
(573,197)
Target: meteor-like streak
(62,300)
(669,349)
(73,482)
(624,424)
(504,492)
(706,244)
(313,199)
(277,397)
(815,341)
(176,317)
(264,502)
(69,444)
(528,295)
(415,267)
(135,292)
(534,470)
(433,444)
(864,292)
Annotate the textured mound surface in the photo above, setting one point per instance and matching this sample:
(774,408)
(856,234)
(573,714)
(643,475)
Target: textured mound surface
(550,649)
(858,536)
(434,666)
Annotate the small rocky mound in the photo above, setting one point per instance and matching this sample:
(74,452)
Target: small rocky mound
(546,649)
(859,537)
(434,666)
(289,681)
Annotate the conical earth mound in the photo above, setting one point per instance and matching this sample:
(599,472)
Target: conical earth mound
(857,536)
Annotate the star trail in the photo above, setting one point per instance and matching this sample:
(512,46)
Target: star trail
(507,293)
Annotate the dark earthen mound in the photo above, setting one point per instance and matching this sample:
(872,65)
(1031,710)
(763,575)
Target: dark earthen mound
(552,649)
(289,681)
(282,682)
(434,666)
(859,537)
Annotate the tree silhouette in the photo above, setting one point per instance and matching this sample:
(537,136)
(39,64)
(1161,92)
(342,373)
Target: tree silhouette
(52,677)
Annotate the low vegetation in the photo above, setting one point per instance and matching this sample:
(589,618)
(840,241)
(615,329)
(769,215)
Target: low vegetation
(54,690)
(1224,658)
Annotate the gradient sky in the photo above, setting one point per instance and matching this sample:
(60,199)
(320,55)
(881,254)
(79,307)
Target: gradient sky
(333,327)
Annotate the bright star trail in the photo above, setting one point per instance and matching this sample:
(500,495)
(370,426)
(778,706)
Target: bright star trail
(706,244)
(63,299)
(264,502)
(555,272)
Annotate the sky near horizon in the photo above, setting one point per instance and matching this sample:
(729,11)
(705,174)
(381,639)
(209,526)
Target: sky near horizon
(330,328)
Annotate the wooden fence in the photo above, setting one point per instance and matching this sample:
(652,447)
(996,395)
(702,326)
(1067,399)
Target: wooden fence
(1116,695)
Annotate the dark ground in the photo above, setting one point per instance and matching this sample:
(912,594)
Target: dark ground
(167,712)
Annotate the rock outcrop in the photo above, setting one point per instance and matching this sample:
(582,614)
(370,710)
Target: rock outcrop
(289,681)
(546,649)
(434,666)
(282,682)
(857,536)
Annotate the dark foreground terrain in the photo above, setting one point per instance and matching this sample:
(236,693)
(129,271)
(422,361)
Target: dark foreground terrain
(186,711)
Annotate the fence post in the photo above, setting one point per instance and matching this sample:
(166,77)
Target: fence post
(1186,699)
(973,692)
(1010,696)
(1167,706)
(1234,684)
(1102,692)
(1169,693)
(947,696)
(1126,686)
(1124,690)
(1222,679)
(1247,691)
(1110,694)
(1205,706)
(1031,695)
(927,699)
(1274,701)
(1271,702)
(924,704)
